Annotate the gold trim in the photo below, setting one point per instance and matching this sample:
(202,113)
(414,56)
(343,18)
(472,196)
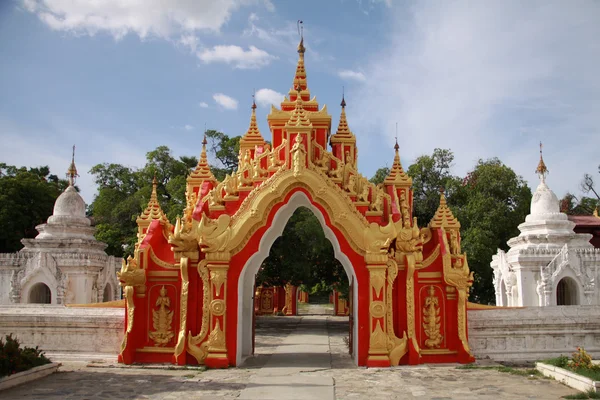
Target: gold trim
(427,352)
(164,273)
(158,261)
(155,350)
(183,306)
(429,275)
(429,260)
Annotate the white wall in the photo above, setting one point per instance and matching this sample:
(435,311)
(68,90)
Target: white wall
(534,333)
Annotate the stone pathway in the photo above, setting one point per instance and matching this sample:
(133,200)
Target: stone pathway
(301,357)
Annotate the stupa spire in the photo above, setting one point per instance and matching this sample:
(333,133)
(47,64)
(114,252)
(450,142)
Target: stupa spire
(72,171)
(397,176)
(343,130)
(541,170)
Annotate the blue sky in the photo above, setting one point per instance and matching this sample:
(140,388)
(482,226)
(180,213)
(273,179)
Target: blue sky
(485,79)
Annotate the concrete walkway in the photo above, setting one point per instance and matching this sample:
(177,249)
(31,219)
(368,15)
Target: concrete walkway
(302,357)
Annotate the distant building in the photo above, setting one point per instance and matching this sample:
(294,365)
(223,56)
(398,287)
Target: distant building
(552,261)
(64,263)
(588,224)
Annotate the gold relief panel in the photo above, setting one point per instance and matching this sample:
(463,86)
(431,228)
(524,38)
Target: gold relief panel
(162,307)
(433,320)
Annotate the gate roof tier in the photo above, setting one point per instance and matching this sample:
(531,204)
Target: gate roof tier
(443,217)
(343,133)
(252,137)
(397,176)
(153,210)
(202,171)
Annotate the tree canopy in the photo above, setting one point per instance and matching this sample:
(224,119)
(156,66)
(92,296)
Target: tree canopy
(27,198)
(123,192)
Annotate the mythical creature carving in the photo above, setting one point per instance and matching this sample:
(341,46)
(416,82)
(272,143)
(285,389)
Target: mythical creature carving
(230,184)
(377,200)
(183,239)
(132,275)
(213,235)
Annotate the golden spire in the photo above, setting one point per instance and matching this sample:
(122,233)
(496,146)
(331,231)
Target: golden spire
(300,77)
(72,171)
(443,217)
(343,130)
(299,116)
(252,137)
(397,176)
(202,170)
(153,210)
(541,170)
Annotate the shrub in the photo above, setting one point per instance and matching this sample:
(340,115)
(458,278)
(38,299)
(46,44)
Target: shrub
(15,359)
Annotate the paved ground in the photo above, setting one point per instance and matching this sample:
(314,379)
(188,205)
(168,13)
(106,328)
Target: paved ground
(301,357)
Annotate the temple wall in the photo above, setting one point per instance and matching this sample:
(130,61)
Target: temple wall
(59,329)
(522,335)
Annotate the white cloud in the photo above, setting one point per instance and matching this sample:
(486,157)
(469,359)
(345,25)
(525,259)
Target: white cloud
(490,79)
(188,127)
(228,103)
(203,104)
(240,58)
(190,41)
(352,75)
(159,18)
(265,97)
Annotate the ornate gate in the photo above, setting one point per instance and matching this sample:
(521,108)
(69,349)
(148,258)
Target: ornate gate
(189,288)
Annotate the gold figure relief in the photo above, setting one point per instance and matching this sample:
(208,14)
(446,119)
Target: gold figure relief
(162,320)
(298,155)
(218,278)
(378,340)
(214,235)
(431,320)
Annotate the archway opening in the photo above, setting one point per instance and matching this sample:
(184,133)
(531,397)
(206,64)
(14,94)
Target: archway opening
(108,293)
(266,267)
(567,293)
(40,294)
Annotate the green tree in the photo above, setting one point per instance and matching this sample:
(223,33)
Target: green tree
(123,192)
(490,204)
(27,198)
(429,174)
(571,205)
(302,255)
(380,175)
(225,150)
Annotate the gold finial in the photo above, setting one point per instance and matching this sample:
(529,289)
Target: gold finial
(396,147)
(301,48)
(541,170)
(154,183)
(254,100)
(72,171)
(343,103)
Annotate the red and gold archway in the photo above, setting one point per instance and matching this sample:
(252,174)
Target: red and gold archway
(189,287)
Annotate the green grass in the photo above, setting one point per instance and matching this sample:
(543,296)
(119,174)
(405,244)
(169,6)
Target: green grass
(529,372)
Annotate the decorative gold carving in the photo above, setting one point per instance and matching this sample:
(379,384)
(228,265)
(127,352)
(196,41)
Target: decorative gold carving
(217,307)
(377,240)
(162,320)
(377,277)
(183,306)
(397,347)
(377,309)
(378,339)
(128,294)
(218,278)
(216,339)
(214,235)
(184,239)
(432,257)
(410,300)
(431,320)
(200,352)
(287,309)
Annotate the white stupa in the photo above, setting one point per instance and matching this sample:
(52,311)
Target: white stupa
(548,263)
(64,263)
